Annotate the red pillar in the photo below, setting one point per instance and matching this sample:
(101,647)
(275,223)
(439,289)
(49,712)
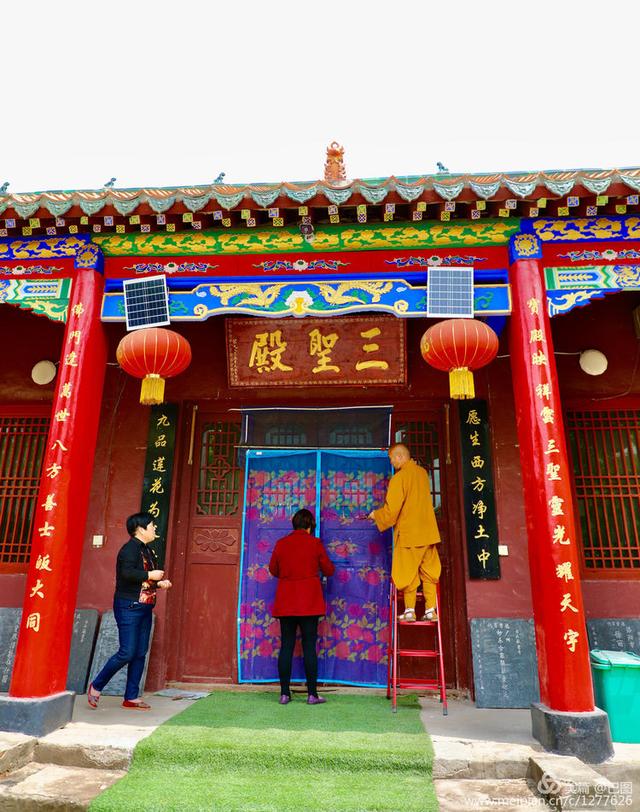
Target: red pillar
(561,635)
(42,655)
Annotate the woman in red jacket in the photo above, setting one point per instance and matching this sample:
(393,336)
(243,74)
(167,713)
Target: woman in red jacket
(296,562)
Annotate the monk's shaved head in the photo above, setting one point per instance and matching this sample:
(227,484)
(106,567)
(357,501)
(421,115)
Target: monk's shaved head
(399,454)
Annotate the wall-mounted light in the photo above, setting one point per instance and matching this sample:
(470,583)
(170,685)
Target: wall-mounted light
(43,372)
(593,362)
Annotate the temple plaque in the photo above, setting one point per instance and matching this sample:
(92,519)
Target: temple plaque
(306,352)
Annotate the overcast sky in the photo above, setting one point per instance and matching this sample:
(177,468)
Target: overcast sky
(173,93)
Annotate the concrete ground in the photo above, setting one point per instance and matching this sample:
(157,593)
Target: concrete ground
(483,759)
(109,734)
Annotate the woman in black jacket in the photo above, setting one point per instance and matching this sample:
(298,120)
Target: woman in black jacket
(137,580)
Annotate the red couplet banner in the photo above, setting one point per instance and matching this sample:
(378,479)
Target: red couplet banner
(42,655)
(562,643)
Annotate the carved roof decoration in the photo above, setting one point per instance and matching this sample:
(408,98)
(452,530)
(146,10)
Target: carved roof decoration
(334,169)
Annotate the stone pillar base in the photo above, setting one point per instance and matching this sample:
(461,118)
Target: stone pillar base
(36,716)
(584,735)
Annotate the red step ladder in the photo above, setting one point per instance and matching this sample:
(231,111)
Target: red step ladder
(396,653)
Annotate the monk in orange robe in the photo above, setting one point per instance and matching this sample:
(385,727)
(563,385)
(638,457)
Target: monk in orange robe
(408,508)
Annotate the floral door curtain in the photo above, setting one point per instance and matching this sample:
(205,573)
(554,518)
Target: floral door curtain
(341,488)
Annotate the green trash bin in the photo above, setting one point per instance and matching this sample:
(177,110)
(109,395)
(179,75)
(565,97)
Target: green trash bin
(616,681)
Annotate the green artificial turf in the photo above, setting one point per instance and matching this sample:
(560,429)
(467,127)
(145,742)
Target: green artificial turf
(244,752)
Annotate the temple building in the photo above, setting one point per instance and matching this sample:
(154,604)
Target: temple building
(303,306)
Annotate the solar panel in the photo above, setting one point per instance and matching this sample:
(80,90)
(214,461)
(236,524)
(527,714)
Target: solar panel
(450,292)
(146,303)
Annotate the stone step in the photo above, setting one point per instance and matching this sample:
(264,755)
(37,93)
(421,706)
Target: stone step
(83,754)
(466,759)
(81,745)
(53,788)
(16,750)
(508,795)
(568,783)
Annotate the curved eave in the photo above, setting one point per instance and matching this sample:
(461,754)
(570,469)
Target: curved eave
(530,186)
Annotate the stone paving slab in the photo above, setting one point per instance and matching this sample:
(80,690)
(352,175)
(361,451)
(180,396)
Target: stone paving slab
(508,795)
(53,788)
(568,783)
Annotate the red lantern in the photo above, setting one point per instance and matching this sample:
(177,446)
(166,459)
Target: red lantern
(457,346)
(151,353)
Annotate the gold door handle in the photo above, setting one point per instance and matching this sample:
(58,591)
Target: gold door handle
(447,435)
(194,412)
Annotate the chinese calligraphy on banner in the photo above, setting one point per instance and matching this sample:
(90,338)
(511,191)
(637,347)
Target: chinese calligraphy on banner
(291,352)
(158,469)
(479,499)
(50,522)
(556,480)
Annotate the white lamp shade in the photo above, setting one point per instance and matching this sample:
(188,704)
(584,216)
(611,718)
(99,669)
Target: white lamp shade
(593,362)
(43,372)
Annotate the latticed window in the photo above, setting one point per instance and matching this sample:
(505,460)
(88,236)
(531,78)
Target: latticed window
(219,480)
(421,437)
(287,435)
(22,445)
(606,464)
(350,436)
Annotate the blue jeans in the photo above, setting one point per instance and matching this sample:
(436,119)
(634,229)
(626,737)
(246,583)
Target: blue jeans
(134,628)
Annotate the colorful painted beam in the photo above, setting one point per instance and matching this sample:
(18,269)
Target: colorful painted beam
(458,235)
(353,264)
(45,297)
(572,287)
(321,298)
(78,247)
(583,229)
(574,274)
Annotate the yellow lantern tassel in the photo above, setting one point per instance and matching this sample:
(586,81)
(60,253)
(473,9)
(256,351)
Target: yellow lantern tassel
(461,384)
(152,391)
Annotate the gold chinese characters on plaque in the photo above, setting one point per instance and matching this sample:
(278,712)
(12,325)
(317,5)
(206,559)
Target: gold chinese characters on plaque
(305,352)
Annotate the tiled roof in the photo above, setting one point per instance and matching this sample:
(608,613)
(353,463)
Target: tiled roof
(443,187)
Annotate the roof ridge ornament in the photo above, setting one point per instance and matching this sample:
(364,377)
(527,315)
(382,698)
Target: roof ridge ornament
(334,170)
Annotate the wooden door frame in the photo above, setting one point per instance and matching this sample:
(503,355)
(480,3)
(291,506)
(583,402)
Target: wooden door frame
(177,547)
(178,552)
(450,442)
(458,528)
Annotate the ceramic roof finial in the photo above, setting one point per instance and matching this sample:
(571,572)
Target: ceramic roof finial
(334,167)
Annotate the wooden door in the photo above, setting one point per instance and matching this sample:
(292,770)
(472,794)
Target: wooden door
(206,595)
(427,434)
